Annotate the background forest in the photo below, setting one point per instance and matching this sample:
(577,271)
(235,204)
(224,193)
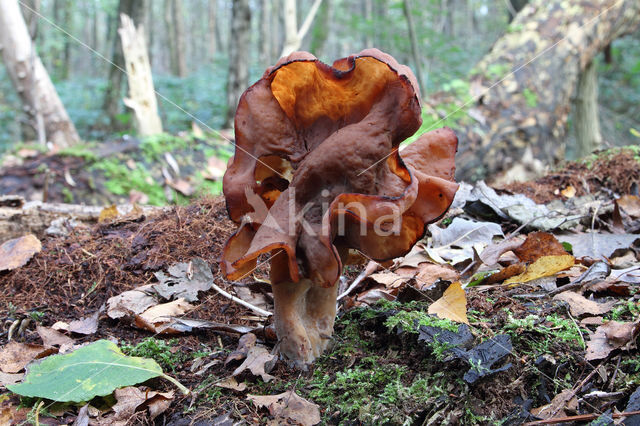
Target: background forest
(189,48)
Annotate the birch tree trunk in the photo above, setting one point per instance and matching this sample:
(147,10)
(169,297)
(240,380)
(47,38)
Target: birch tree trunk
(521,91)
(39,97)
(293,35)
(142,96)
(113,95)
(586,116)
(238,76)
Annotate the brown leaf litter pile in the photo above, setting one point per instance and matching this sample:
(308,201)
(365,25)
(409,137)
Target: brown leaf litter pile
(615,172)
(74,275)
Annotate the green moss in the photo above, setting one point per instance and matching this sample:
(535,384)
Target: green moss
(82,150)
(67,195)
(154,147)
(556,329)
(411,321)
(161,351)
(121,180)
(530,97)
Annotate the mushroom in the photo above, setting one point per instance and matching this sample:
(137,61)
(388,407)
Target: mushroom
(317,171)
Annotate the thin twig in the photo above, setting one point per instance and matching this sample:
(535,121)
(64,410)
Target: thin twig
(242,302)
(580,418)
(578,387)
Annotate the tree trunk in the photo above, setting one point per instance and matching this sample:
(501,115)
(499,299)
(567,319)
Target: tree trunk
(265,18)
(39,97)
(142,96)
(320,31)
(406,7)
(293,35)
(213,40)
(522,89)
(238,77)
(179,68)
(111,105)
(586,117)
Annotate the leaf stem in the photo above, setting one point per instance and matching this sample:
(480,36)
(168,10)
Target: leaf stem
(180,386)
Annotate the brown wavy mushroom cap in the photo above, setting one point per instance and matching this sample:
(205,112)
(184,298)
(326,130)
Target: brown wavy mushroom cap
(317,169)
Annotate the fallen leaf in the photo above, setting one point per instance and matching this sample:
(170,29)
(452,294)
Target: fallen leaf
(543,267)
(156,318)
(131,399)
(216,167)
(610,336)
(86,326)
(259,361)
(10,379)
(569,192)
(245,343)
(580,305)
(457,242)
(598,244)
(539,244)
(493,251)
(182,186)
(184,280)
(389,279)
(630,204)
(82,419)
(231,383)
(452,305)
(427,273)
(591,321)
(131,302)
(557,405)
(18,251)
(52,337)
(372,296)
(506,273)
(15,356)
(289,406)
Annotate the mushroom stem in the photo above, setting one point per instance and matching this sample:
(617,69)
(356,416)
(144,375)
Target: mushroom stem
(304,317)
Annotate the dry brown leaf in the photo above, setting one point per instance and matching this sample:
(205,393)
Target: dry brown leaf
(131,302)
(372,296)
(610,336)
(130,399)
(506,273)
(231,383)
(183,187)
(9,379)
(158,318)
(15,356)
(591,321)
(452,305)
(52,337)
(215,168)
(427,273)
(259,361)
(18,251)
(611,287)
(543,267)
(86,326)
(492,252)
(537,245)
(580,305)
(245,343)
(564,400)
(630,204)
(389,279)
(289,406)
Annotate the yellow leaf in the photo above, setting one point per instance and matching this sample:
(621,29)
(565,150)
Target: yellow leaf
(452,305)
(543,267)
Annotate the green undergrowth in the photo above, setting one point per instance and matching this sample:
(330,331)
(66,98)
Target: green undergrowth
(167,353)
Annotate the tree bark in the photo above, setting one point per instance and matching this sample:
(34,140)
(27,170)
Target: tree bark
(293,35)
(179,68)
(265,18)
(238,76)
(522,89)
(142,96)
(213,41)
(406,7)
(39,97)
(586,116)
(111,105)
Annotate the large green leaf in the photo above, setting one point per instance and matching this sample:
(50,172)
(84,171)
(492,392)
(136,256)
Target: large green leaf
(93,370)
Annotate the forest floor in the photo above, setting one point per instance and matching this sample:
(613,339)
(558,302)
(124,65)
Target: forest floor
(546,328)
